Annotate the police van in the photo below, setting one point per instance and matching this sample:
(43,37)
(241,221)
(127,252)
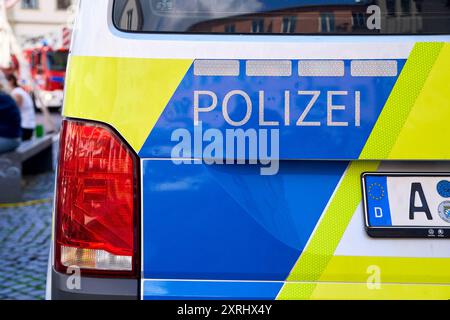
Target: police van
(258,149)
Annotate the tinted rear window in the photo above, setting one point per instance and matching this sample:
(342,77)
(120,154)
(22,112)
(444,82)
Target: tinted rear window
(284,16)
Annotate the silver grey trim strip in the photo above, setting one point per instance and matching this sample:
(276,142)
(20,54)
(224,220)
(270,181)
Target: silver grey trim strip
(216,68)
(321,68)
(374,68)
(269,68)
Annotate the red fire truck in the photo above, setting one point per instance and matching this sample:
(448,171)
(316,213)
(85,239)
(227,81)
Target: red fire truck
(48,70)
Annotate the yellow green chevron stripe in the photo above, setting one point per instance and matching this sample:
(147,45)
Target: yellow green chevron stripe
(390,291)
(111,90)
(402,99)
(392,269)
(424,134)
(305,279)
(329,232)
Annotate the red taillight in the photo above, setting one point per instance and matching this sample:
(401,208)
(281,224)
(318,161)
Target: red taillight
(96,202)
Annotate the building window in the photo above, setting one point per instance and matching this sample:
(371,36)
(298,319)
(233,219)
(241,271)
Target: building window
(359,21)
(406,7)
(390,4)
(63,4)
(130,19)
(258,25)
(289,25)
(327,22)
(30,4)
(230,28)
(419,5)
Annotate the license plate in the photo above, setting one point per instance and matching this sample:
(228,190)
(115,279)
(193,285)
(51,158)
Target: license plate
(407,205)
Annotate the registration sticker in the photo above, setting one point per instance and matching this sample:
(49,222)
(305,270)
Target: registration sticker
(405,205)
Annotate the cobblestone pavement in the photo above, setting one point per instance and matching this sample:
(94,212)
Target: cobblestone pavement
(25,232)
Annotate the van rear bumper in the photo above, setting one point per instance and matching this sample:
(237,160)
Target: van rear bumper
(93,288)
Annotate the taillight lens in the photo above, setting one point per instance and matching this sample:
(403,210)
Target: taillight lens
(96,202)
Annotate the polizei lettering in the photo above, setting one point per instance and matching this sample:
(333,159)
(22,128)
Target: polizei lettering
(333,108)
(239,130)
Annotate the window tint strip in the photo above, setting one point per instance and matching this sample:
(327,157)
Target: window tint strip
(325,17)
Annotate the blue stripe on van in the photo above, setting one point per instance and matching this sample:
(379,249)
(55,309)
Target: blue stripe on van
(209,290)
(227,222)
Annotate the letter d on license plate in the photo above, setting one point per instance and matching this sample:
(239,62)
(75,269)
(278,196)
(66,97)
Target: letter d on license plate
(405,205)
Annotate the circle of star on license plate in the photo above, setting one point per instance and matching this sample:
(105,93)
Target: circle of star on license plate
(376,191)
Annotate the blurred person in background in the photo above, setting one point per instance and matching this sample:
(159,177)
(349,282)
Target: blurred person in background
(10,120)
(26,106)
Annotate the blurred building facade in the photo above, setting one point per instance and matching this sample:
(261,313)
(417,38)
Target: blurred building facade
(399,16)
(33,21)
(296,17)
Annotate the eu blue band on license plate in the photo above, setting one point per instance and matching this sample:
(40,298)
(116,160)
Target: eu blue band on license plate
(407,205)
